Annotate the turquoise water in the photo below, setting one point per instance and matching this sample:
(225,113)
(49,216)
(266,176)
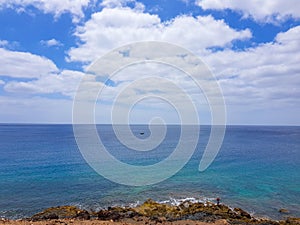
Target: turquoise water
(257,169)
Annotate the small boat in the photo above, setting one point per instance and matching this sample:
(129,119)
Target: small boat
(142,133)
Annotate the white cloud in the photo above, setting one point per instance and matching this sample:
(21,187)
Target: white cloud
(122,3)
(264,77)
(56,7)
(24,64)
(265,11)
(50,43)
(113,27)
(202,32)
(65,83)
(4,43)
(262,81)
(8,44)
(42,74)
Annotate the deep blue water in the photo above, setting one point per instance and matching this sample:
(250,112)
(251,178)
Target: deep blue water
(257,169)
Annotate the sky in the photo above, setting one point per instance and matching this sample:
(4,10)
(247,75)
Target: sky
(251,47)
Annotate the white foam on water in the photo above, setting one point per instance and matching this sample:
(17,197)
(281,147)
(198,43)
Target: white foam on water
(178,201)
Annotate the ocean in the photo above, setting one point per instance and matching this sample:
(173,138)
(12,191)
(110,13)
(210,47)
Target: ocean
(257,169)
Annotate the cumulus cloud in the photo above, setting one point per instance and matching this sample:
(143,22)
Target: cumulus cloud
(51,43)
(255,80)
(113,27)
(42,75)
(264,11)
(24,64)
(64,83)
(261,78)
(38,74)
(260,84)
(268,74)
(56,7)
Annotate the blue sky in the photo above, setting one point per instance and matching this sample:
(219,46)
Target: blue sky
(252,47)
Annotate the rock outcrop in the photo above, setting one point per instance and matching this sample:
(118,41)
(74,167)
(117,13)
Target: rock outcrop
(160,213)
(61,212)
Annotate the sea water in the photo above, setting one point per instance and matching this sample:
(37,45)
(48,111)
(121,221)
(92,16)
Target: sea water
(257,169)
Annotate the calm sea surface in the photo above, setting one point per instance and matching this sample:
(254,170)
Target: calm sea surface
(257,169)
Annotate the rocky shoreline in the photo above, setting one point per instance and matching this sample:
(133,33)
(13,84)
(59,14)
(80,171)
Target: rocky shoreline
(150,212)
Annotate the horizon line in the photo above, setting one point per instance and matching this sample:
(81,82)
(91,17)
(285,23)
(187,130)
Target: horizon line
(144,124)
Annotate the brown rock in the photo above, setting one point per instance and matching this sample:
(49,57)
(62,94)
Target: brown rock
(283,211)
(242,213)
(61,212)
(292,221)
